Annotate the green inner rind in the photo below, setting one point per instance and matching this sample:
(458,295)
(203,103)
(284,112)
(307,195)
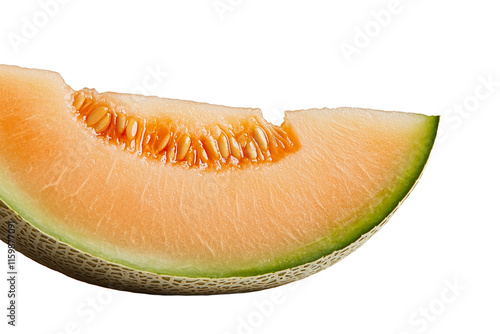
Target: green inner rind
(389,200)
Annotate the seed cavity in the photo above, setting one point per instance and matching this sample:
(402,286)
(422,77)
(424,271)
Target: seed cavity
(243,141)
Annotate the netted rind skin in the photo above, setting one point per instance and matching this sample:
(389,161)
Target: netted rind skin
(83,266)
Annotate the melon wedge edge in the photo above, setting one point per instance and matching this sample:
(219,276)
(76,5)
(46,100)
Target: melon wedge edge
(368,198)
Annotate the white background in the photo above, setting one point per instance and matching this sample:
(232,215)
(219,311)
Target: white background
(430,57)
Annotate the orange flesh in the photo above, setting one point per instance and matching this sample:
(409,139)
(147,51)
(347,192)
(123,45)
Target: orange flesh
(149,214)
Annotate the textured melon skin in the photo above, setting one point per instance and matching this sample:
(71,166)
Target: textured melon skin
(83,266)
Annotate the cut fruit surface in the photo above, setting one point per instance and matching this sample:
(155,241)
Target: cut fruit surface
(184,189)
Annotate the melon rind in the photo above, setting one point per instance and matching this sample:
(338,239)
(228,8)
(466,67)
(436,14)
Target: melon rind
(83,266)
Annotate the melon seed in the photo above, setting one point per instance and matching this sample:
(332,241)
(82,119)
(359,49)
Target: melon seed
(163,142)
(191,156)
(96,115)
(103,123)
(79,99)
(171,152)
(224,145)
(260,156)
(251,150)
(184,145)
(84,109)
(235,148)
(202,153)
(121,122)
(212,147)
(132,128)
(260,137)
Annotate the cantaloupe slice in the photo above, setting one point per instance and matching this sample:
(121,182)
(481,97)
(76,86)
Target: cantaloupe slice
(165,196)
